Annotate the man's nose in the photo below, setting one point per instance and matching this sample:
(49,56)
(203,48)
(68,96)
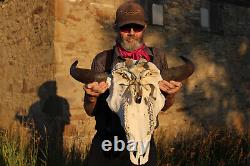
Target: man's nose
(131,32)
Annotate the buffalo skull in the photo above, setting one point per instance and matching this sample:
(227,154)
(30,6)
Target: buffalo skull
(135,97)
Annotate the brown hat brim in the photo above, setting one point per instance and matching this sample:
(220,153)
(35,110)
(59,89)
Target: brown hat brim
(143,23)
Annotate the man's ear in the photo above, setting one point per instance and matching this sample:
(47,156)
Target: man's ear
(145,27)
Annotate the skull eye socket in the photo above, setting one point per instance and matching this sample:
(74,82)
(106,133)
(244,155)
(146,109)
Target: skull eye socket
(146,74)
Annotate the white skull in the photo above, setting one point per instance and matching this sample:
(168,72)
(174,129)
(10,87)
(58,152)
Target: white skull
(137,115)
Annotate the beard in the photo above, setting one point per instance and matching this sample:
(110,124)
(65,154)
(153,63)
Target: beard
(130,43)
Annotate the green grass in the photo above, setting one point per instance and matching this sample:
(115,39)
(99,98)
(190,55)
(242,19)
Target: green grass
(18,148)
(16,151)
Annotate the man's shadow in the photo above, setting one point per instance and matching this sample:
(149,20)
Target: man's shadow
(47,118)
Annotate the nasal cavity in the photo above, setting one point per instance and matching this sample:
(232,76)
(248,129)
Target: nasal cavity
(138,99)
(138,95)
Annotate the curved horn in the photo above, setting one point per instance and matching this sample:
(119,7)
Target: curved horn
(86,75)
(179,73)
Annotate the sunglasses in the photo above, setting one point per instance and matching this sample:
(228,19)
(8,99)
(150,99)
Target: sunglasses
(127,28)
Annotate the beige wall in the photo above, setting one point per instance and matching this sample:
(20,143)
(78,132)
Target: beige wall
(26,54)
(82,29)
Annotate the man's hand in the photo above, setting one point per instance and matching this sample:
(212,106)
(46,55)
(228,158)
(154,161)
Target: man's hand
(92,91)
(95,89)
(170,87)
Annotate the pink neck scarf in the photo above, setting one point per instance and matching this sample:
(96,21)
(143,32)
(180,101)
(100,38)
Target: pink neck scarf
(135,55)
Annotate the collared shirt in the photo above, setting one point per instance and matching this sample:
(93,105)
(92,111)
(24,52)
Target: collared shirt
(104,62)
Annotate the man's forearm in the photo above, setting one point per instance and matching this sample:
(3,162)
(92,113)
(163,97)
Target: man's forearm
(89,104)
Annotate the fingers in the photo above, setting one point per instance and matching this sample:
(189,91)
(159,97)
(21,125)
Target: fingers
(170,87)
(163,86)
(102,87)
(177,84)
(168,84)
(95,88)
(92,93)
(172,91)
(92,85)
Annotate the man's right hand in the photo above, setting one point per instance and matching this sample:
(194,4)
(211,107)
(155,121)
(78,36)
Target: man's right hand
(95,89)
(92,91)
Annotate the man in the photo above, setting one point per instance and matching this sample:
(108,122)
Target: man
(130,25)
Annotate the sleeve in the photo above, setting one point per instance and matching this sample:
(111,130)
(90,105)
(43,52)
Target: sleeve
(163,61)
(164,69)
(98,63)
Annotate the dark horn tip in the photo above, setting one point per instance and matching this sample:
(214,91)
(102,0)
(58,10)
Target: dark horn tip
(190,64)
(75,63)
(185,59)
(73,67)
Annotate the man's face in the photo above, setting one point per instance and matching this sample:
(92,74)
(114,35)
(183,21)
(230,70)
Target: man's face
(131,36)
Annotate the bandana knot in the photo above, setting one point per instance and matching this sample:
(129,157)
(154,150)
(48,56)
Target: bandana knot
(135,55)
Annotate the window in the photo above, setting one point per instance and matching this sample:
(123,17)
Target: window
(157,14)
(154,11)
(212,16)
(205,18)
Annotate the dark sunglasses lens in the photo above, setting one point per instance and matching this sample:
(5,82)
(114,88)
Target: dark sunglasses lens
(127,28)
(138,28)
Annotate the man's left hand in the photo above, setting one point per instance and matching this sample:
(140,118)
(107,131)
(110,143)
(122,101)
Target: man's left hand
(170,87)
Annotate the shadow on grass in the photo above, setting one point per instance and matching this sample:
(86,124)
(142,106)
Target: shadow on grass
(46,120)
(2,162)
(76,156)
(213,148)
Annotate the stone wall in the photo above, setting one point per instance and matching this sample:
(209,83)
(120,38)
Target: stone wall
(218,92)
(82,29)
(181,17)
(211,97)
(236,20)
(26,54)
